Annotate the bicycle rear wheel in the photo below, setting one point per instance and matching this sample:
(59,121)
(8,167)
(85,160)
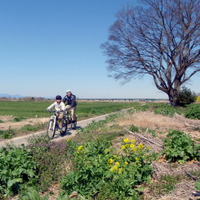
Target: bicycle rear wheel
(51,129)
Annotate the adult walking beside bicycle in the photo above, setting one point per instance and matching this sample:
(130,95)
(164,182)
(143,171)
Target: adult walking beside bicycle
(59,107)
(70,100)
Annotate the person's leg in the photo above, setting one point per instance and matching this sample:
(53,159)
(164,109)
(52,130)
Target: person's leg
(67,107)
(60,117)
(74,114)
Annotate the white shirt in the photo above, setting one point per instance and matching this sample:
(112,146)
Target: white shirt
(58,106)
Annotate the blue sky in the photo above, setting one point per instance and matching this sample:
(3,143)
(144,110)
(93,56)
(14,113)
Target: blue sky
(49,46)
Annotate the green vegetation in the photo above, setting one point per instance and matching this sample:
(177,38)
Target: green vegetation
(29,109)
(166,110)
(197,185)
(93,163)
(50,158)
(185,97)
(101,173)
(136,129)
(165,185)
(32,194)
(101,129)
(17,170)
(193,111)
(7,134)
(180,147)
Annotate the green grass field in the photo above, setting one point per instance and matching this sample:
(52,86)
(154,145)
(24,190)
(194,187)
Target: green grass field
(28,109)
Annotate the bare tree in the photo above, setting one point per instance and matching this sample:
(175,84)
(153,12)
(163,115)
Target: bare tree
(160,39)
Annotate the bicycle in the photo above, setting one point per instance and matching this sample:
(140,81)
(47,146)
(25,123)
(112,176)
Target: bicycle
(69,121)
(53,125)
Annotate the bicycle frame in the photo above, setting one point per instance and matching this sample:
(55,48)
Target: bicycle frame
(52,125)
(54,117)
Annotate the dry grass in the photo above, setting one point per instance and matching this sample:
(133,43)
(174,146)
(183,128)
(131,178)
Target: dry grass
(18,125)
(6,118)
(152,121)
(161,123)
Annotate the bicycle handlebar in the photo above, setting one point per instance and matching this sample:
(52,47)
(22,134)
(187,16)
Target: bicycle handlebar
(54,111)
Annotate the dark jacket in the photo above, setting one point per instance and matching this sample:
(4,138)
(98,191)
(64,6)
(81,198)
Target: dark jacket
(70,100)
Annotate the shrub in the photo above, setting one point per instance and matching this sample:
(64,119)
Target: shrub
(31,194)
(100,171)
(185,97)
(50,158)
(180,147)
(134,129)
(17,169)
(193,111)
(7,134)
(165,110)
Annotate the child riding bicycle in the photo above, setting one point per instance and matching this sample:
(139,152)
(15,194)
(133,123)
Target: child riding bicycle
(59,107)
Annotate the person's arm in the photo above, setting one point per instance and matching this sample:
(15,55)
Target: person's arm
(63,106)
(51,106)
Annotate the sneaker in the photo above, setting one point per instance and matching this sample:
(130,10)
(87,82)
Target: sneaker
(62,133)
(73,126)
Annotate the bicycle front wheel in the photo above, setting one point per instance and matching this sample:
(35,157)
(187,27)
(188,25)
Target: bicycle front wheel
(64,127)
(51,129)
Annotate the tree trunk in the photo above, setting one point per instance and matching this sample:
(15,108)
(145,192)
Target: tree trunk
(172,98)
(173,93)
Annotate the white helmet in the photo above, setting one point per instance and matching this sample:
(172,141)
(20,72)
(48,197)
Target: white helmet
(68,91)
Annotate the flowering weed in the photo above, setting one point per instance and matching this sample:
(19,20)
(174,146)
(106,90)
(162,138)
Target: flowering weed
(99,173)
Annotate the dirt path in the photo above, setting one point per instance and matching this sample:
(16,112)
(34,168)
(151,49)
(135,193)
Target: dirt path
(71,133)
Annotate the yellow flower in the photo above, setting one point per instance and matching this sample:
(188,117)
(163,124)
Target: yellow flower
(132,146)
(126,163)
(106,150)
(80,147)
(126,140)
(140,146)
(117,163)
(68,139)
(118,157)
(133,141)
(136,158)
(114,156)
(120,171)
(110,161)
(140,165)
(123,147)
(143,157)
(114,169)
(134,149)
